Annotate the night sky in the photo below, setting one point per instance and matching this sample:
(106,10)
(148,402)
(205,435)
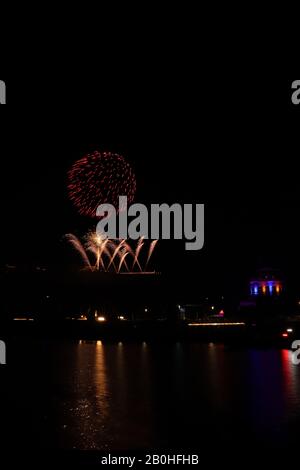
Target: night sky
(231,144)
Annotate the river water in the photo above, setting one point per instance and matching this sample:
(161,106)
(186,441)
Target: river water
(131,396)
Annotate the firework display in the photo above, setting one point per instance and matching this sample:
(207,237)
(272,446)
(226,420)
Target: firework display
(107,255)
(100,178)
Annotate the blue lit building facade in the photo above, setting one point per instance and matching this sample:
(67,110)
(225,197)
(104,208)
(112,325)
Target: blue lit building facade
(266,284)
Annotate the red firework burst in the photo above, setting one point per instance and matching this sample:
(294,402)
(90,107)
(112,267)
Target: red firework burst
(100,178)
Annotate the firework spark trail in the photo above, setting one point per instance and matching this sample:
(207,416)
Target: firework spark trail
(137,253)
(105,248)
(128,248)
(94,248)
(100,178)
(122,252)
(151,249)
(122,260)
(118,248)
(76,243)
(99,247)
(95,251)
(113,248)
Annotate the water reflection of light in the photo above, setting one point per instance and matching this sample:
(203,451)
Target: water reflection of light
(267,406)
(217,374)
(88,410)
(291,389)
(290,374)
(100,379)
(218,371)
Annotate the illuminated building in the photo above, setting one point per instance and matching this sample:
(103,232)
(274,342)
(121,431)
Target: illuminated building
(267,283)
